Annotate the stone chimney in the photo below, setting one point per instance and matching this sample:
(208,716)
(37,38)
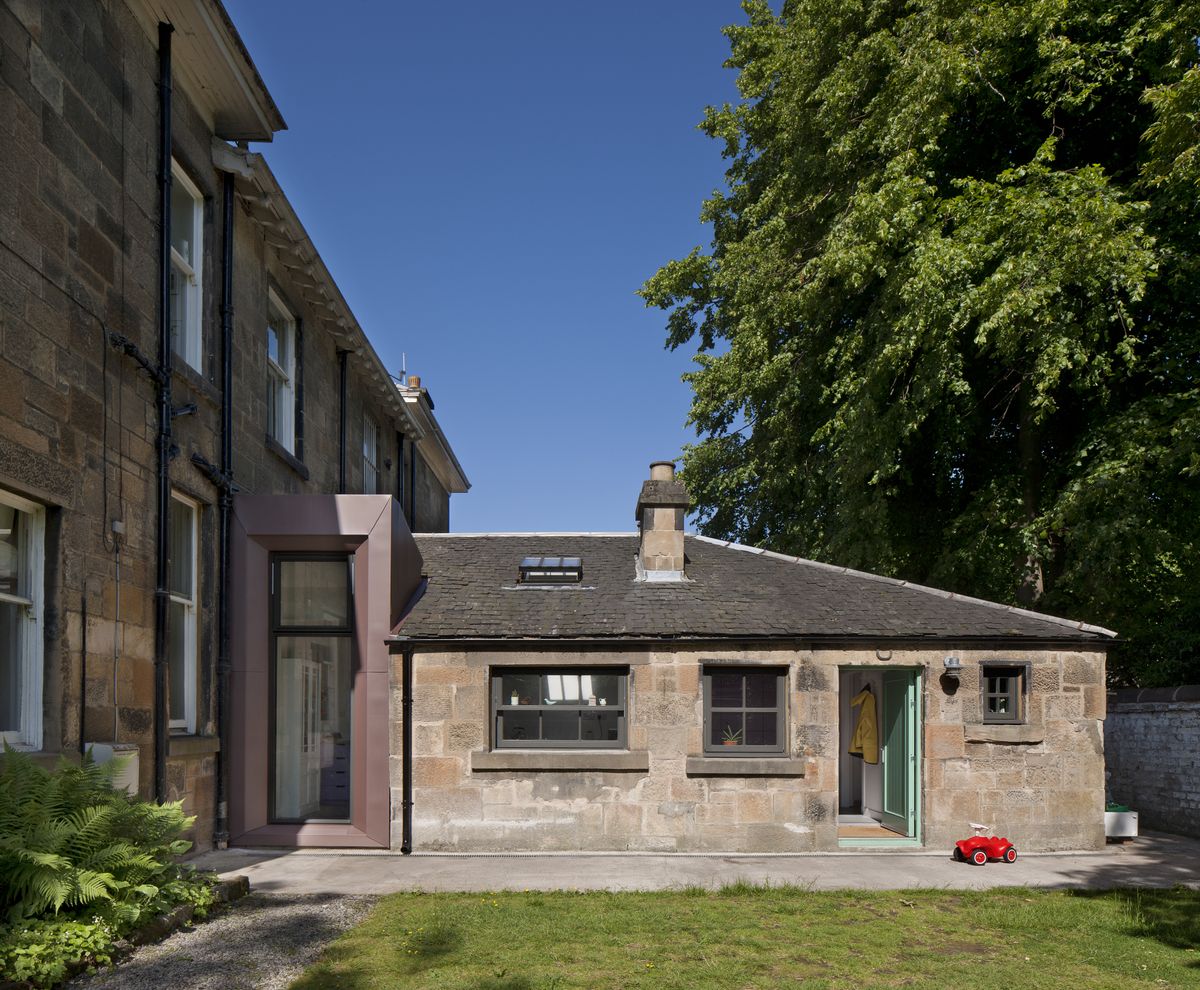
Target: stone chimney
(660,510)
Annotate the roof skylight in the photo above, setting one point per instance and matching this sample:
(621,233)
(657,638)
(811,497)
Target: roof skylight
(551,570)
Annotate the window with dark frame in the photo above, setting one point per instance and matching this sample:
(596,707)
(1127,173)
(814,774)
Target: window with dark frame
(312,638)
(550,570)
(1003,687)
(745,711)
(547,708)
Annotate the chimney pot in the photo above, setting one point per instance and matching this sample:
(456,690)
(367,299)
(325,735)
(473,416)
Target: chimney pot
(414,381)
(662,470)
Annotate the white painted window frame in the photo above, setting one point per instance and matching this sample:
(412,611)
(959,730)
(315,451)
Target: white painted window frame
(280,316)
(370,454)
(32,554)
(190,335)
(191,626)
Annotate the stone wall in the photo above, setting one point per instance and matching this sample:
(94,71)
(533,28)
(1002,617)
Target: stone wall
(1152,749)
(431,508)
(1041,783)
(79,222)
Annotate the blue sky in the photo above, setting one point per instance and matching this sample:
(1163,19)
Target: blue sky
(490,183)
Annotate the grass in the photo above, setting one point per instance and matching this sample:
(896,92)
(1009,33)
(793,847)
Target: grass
(745,936)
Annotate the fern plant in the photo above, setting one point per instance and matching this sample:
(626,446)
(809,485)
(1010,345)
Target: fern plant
(69,839)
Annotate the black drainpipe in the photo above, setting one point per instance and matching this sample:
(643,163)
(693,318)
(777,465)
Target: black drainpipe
(165,442)
(83,624)
(412,487)
(406,703)
(225,506)
(343,357)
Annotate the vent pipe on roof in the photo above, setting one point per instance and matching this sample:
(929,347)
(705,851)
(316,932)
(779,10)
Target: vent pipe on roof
(661,507)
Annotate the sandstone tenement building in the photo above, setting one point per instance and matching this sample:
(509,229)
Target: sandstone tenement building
(158,294)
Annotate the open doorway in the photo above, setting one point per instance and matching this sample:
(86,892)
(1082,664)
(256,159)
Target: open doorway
(879,759)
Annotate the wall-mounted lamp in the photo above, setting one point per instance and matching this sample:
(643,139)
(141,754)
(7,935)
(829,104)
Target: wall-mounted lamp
(953,667)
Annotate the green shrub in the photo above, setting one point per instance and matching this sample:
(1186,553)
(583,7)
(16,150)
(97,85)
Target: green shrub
(45,952)
(70,839)
(81,864)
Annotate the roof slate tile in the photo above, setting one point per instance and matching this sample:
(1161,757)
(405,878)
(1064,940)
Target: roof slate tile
(472,593)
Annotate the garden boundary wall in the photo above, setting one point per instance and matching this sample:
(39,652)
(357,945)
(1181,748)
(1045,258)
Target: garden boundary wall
(1152,750)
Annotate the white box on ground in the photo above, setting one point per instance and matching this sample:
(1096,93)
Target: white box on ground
(1120,824)
(125,776)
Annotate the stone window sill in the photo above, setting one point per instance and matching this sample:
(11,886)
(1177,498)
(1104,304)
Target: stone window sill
(558,759)
(1021,734)
(288,458)
(744,766)
(193,745)
(200,386)
(43,758)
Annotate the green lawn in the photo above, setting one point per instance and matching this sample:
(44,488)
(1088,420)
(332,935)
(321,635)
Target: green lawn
(744,937)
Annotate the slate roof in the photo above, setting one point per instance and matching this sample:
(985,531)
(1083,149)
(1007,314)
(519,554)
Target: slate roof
(733,592)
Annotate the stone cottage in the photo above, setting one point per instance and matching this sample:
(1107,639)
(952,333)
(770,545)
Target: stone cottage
(169,338)
(656,691)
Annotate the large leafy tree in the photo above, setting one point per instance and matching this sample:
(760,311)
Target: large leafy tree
(948,328)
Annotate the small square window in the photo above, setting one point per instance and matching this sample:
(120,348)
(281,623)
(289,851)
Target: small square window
(545,708)
(745,710)
(187,268)
(1003,688)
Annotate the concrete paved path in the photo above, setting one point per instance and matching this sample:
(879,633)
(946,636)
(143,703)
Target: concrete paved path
(1153,860)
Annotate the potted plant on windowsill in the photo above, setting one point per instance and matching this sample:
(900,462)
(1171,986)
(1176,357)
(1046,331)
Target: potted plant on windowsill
(731,736)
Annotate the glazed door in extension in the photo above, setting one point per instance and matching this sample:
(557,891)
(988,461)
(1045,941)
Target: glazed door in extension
(898,750)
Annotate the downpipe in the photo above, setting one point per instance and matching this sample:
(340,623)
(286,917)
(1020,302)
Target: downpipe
(165,439)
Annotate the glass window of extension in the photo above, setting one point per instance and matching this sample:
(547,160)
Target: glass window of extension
(187,263)
(744,710)
(1003,692)
(182,626)
(312,629)
(558,709)
(281,373)
(370,455)
(22,577)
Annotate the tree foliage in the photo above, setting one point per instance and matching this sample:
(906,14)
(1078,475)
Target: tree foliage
(948,326)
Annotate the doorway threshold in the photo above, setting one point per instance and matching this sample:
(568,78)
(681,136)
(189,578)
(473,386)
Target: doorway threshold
(865,832)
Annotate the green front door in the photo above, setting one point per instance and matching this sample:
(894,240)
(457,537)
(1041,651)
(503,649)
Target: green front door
(898,751)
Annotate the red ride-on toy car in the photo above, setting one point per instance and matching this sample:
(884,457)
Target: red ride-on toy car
(981,847)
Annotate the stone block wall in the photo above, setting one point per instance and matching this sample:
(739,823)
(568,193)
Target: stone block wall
(431,502)
(1152,749)
(79,225)
(1042,783)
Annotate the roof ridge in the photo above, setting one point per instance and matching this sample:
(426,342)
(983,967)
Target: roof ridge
(1058,620)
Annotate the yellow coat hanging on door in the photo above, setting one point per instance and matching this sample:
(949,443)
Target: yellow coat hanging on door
(865,741)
